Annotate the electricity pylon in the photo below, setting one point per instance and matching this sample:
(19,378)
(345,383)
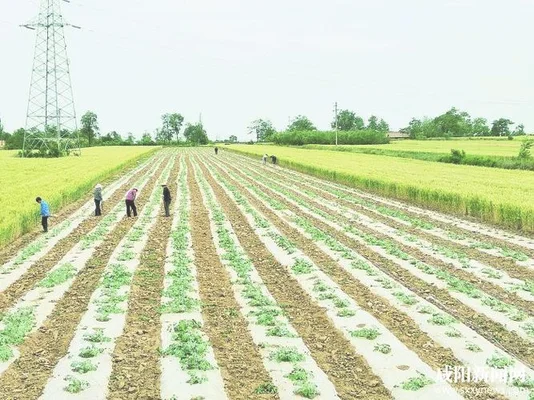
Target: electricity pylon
(51,125)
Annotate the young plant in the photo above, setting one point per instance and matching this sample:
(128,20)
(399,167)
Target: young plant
(383,348)
(75,385)
(83,367)
(417,383)
(286,354)
(366,333)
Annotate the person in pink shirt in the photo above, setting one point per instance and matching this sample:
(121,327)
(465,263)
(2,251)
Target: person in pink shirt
(130,202)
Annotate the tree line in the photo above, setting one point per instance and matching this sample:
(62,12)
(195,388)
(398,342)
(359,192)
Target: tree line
(172,131)
(453,123)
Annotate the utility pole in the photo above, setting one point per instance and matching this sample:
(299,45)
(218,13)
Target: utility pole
(335,112)
(51,125)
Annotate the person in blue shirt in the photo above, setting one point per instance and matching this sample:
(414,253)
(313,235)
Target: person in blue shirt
(45,213)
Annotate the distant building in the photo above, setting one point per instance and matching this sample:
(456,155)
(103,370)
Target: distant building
(398,135)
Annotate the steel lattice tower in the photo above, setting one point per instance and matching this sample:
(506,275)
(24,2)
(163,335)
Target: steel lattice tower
(51,124)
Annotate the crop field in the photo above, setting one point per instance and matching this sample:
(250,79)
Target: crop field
(486,147)
(58,181)
(264,283)
(493,195)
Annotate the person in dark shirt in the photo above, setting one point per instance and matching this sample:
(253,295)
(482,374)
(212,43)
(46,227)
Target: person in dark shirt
(166,200)
(216,150)
(274,160)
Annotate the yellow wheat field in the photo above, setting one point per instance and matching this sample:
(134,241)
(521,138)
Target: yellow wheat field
(58,181)
(492,194)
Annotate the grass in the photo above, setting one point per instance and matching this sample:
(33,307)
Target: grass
(41,178)
(58,276)
(495,196)
(286,354)
(366,333)
(417,383)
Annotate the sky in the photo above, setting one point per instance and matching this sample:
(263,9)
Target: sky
(235,61)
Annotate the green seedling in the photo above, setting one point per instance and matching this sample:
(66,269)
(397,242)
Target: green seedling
(90,352)
(58,276)
(97,337)
(406,299)
(280,331)
(17,325)
(417,383)
(529,329)
(362,265)
(298,374)
(116,277)
(475,348)
(383,348)
(83,367)
(286,354)
(492,273)
(196,378)
(499,361)
(345,312)
(441,319)
(320,286)
(302,267)
(266,317)
(189,346)
(126,255)
(366,333)
(454,333)
(266,388)
(307,390)
(75,385)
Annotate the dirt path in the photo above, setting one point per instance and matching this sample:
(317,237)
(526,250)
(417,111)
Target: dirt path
(236,354)
(136,360)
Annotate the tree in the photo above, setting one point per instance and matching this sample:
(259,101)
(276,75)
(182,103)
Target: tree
(196,134)
(301,123)
(453,123)
(130,140)
(146,139)
(383,126)
(348,121)
(111,138)
(263,129)
(232,139)
(480,127)
(16,140)
(2,133)
(519,130)
(89,128)
(501,127)
(164,135)
(172,124)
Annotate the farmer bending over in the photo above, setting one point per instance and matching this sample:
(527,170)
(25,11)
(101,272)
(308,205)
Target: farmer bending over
(130,202)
